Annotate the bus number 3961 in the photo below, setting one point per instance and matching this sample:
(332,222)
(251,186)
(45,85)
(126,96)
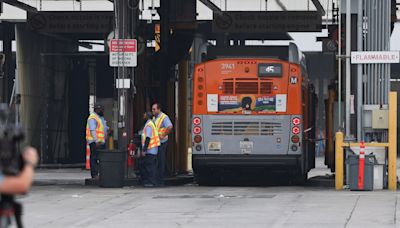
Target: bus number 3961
(227,66)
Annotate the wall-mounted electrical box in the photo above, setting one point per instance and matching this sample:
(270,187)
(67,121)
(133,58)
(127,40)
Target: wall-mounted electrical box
(380,119)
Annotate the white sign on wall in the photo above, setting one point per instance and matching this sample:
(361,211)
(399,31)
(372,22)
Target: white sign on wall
(370,57)
(123,53)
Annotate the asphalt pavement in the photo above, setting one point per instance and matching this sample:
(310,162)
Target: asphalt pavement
(76,205)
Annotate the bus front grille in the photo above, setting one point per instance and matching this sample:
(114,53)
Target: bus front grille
(246,128)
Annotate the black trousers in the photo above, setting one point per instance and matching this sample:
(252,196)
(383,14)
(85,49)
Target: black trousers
(149,169)
(94,160)
(161,160)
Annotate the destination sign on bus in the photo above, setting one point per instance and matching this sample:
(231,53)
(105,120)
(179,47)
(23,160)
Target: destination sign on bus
(270,70)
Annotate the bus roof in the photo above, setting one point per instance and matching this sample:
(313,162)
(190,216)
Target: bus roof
(286,53)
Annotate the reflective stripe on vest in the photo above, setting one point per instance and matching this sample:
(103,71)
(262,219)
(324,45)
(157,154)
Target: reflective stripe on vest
(158,122)
(154,139)
(99,129)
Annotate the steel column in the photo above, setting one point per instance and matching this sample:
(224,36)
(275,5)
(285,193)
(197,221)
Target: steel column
(348,66)
(359,71)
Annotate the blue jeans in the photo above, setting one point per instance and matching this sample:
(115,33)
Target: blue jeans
(149,169)
(94,159)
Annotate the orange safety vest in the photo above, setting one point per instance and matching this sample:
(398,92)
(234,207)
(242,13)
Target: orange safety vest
(100,134)
(158,122)
(154,139)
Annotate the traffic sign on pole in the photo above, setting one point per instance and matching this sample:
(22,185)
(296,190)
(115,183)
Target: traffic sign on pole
(123,53)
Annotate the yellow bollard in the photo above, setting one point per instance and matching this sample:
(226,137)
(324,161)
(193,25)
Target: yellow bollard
(110,143)
(392,154)
(339,161)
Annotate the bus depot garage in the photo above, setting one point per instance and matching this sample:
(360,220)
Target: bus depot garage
(241,93)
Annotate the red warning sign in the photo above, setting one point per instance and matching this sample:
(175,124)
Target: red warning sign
(123,53)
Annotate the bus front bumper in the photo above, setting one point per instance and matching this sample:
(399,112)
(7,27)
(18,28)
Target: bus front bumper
(261,161)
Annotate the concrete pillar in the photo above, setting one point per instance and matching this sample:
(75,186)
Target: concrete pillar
(42,74)
(182,123)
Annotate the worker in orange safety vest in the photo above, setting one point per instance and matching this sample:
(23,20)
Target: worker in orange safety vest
(96,130)
(150,144)
(164,128)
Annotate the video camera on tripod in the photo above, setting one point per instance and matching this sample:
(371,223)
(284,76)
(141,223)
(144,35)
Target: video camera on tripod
(11,163)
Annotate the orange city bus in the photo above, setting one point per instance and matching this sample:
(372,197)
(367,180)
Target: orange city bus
(253,112)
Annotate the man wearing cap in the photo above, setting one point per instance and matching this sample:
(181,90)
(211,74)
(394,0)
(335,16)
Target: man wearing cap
(150,144)
(96,130)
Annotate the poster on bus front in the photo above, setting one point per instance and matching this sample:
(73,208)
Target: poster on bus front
(246,102)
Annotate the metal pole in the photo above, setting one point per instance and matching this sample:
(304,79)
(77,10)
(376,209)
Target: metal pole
(369,44)
(387,48)
(365,83)
(384,15)
(379,48)
(359,72)
(121,32)
(165,68)
(340,67)
(375,48)
(348,66)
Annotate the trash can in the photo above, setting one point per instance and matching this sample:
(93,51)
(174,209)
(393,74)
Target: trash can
(353,162)
(112,164)
(380,166)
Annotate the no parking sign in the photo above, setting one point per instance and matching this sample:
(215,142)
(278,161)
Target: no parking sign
(123,53)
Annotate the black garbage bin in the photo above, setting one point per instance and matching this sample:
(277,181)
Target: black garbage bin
(353,162)
(112,164)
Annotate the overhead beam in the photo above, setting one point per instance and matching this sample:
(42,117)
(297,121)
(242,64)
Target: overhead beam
(20,5)
(212,7)
(280,4)
(319,7)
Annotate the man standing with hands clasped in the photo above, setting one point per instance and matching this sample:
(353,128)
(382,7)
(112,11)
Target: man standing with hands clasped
(164,127)
(96,130)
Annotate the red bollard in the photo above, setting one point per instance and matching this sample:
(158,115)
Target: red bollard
(87,163)
(361,164)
